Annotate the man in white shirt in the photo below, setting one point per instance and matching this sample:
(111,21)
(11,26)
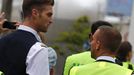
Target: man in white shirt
(21,52)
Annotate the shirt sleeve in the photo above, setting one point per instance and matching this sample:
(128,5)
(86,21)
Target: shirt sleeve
(37,60)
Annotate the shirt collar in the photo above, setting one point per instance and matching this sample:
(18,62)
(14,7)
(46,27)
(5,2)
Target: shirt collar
(108,58)
(31,30)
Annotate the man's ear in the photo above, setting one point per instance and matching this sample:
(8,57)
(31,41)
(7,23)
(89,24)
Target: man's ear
(35,12)
(98,45)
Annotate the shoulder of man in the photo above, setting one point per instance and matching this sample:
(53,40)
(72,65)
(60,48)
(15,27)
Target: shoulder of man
(84,69)
(87,53)
(43,45)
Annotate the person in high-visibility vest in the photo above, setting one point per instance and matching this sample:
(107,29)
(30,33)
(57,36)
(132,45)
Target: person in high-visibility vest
(1,73)
(124,54)
(84,57)
(104,45)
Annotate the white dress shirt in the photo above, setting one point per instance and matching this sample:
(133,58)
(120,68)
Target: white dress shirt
(37,59)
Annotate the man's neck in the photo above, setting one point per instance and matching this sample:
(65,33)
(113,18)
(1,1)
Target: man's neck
(29,23)
(106,52)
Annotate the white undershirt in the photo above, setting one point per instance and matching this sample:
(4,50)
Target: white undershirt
(106,58)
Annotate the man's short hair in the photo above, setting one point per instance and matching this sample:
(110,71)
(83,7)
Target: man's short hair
(97,24)
(29,4)
(110,38)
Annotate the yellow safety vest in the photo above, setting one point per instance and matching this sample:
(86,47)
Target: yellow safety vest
(128,65)
(76,60)
(100,68)
(1,73)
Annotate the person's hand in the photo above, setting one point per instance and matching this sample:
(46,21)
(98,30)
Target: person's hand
(17,23)
(2,20)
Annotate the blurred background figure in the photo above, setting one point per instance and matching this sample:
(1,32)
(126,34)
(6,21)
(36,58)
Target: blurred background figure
(124,54)
(86,45)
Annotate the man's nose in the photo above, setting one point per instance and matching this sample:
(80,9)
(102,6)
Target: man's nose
(51,21)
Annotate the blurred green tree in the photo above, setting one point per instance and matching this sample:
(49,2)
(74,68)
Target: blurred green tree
(73,40)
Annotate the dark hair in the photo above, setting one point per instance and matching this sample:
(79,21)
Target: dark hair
(123,51)
(110,38)
(97,24)
(29,4)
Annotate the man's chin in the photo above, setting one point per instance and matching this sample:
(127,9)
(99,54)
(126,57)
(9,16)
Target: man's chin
(44,31)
